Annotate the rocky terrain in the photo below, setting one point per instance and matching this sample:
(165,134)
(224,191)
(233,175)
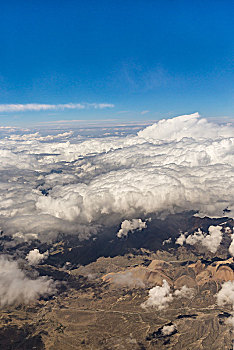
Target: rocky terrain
(101,300)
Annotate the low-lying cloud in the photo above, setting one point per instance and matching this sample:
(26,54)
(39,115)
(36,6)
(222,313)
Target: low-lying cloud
(211,240)
(131,226)
(16,287)
(161,296)
(34,257)
(168,330)
(226,297)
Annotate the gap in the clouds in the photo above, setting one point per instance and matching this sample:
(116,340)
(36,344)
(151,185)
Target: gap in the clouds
(107,244)
(69,248)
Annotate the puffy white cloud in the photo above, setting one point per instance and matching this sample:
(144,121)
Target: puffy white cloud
(181,239)
(130,226)
(191,126)
(168,330)
(34,257)
(211,241)
(226,294)
(185,163)
(159,297)
(16,287)
(167,241)
(231,247)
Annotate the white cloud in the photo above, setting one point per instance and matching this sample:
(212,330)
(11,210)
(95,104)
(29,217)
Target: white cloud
(159,297)
(167,241)
(226,294)
(168,330)
(45,107)
(211,241)
(185,292)
(37,137)
(34,257)
(185,126)
(184,163)
(16,287)
(131,226)
(181,239)
(231,247)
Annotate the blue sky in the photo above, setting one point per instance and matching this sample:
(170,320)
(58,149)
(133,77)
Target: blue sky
(146,59)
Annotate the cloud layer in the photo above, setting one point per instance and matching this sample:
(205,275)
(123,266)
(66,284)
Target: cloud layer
(58,184)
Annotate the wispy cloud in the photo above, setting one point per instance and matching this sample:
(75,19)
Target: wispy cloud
(144,112)
(44,107)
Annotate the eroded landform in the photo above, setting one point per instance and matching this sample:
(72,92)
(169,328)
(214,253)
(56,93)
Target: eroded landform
(172,297)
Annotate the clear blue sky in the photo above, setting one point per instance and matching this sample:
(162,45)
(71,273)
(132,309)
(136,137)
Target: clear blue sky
(166,57)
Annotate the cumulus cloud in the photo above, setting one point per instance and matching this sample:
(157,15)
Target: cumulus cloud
(231,247)
(211,241)
(44,107)
(159,297)
(191,126)
(181,239)
(226,294)
(130,226)
(185,163)
(168,330)
(167,241)
(16,287)
(34,257)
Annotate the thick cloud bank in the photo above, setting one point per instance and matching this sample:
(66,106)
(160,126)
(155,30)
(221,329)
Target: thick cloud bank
(75,186)
(16,287)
